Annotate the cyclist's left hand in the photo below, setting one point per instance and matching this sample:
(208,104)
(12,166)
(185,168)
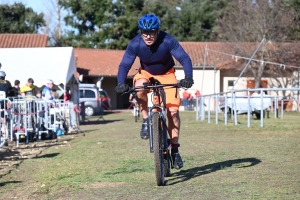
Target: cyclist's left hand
(121,88)
(187,82)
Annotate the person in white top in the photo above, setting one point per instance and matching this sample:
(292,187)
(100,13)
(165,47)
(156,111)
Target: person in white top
(47,93)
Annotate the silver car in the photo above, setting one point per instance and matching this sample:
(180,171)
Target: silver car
(89,94)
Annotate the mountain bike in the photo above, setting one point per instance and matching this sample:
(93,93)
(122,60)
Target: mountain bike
(159,142)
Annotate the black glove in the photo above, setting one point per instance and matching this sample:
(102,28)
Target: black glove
(121,88)
(187,82)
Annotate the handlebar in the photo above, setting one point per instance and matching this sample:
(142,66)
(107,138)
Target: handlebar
(148,87)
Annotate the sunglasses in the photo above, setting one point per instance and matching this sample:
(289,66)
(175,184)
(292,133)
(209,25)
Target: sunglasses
(150,33)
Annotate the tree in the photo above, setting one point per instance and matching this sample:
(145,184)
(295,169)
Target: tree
(115,23)
(244,21)
(294,5)
(53,23)
(16,18)
(125,27)
(188,20)
(93,21)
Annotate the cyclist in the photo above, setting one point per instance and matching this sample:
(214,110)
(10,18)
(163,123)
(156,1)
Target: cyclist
(155,49)
(132,99)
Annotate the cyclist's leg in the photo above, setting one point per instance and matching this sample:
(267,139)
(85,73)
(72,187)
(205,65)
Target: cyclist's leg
(173,124)
(173,129)
(142,98)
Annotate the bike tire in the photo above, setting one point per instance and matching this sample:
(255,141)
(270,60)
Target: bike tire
(157,149)
(167,164)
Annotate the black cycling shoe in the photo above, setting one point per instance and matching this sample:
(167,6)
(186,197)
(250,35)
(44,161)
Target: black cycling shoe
(144,131)
(177,161)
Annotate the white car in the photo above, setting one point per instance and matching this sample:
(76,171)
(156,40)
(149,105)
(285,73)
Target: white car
(241,104)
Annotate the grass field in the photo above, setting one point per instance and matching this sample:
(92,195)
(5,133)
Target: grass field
(110,161)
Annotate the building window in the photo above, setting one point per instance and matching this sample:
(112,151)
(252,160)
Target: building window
(230,83)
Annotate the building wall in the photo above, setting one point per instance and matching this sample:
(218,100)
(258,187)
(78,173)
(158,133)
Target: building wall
(209,85)
(228,77)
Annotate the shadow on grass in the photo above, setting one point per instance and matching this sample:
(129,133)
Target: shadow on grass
(97,122)
(185,175)
(8,155)
(107,112)
(85,131)
(50,155)
(8,182)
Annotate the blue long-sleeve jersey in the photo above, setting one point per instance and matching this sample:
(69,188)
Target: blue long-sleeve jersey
(156,59)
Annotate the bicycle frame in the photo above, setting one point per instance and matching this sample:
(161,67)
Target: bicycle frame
(157,107)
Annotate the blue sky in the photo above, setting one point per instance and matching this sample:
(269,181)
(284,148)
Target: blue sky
(37,5)
(45,6)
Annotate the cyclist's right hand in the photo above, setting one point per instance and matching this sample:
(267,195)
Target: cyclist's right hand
(121,88)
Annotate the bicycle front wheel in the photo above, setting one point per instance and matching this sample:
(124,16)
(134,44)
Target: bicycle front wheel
(157,149)
(167,164)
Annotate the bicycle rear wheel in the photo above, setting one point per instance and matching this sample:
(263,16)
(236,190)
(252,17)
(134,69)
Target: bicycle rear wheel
(157,149)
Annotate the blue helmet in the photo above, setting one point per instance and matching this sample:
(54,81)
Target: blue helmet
(149,22)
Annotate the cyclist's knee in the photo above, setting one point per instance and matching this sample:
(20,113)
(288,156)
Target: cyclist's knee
(174,113)
(140,82)
(142,94)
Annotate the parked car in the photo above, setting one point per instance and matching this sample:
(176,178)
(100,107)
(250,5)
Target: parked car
(89,94)
(241,104)
(105,99)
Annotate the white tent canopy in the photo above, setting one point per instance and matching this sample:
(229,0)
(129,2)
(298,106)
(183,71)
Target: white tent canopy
(40,64)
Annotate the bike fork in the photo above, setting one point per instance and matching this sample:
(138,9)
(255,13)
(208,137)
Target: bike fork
(166,141)
(150,131)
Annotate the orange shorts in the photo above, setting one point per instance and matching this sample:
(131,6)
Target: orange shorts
(168,78)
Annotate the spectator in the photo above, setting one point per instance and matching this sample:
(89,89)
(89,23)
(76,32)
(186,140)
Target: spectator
(186,97)
(54,94)
(38,95)
(73,108)
(46,93)
(197,94)
(16,89)
(5,89)
(28,89)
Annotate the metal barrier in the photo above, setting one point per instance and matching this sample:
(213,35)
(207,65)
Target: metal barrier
(229,100)
(29,118)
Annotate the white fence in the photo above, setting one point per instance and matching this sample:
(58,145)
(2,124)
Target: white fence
(230,104)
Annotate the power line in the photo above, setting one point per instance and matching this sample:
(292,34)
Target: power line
(236,57)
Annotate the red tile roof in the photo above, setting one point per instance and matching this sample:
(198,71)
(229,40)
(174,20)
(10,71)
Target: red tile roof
(23,40)
(101,62)
(218,53)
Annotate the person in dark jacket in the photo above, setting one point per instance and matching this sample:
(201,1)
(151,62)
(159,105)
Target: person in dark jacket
(16,89)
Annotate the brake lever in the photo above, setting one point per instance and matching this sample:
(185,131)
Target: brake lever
(126,92)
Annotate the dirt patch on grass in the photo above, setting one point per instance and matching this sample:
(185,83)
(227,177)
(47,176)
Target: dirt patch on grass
(12,156)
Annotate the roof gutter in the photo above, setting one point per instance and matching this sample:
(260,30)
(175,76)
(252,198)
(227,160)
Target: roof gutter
(198,67)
